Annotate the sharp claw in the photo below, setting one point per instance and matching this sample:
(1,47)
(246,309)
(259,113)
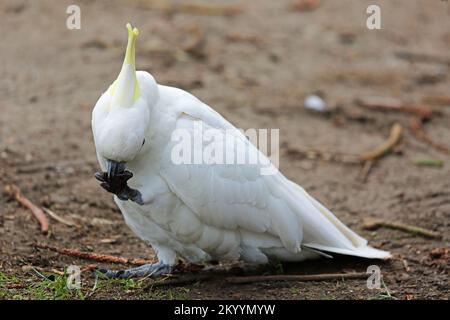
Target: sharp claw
(120,273)
(106,186)
(122,197)
(100,176)
(127,174)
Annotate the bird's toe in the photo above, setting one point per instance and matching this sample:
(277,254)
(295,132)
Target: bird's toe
(101,176)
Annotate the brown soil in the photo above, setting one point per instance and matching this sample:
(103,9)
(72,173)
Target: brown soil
(52,76)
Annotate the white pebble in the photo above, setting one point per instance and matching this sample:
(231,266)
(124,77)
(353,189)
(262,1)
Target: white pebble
(315,103)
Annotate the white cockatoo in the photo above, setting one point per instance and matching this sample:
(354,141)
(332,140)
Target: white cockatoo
(202,211)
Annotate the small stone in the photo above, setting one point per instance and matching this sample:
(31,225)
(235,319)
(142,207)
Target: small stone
(315,103)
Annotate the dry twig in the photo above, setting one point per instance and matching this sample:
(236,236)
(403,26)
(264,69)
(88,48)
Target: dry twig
(314,154)
(14,191)
(93,256)
(385,147)
(301,278)
(304,5)
(365,170)
(15,286)
(210,9)
(373,224)
(97,222)
(193,7)
(423,111)
(89,267)
(252,279)
(60,219)
(419,132)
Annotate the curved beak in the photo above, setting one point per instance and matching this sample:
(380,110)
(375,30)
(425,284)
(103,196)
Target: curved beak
(114,168)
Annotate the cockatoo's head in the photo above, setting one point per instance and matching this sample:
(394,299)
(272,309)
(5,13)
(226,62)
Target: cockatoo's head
(121,116)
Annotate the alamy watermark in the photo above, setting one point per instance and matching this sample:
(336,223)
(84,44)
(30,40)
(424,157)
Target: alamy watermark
(373,21)
(374,280)
(73,21)
(232,146)
(73,277)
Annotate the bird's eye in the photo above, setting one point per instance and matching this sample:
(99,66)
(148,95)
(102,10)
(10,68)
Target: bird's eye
(143,142)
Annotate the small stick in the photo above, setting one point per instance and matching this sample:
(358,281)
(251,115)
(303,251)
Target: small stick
(394,138)
(14,191)
(313,154)
(15,286)
(365,171)
(193,7)
(405,265)
(419,132)
(373,224)
(89,267)
(423,111)
(93,256)
(304,5)
(60,219)
(94,221)
(301,278)
(252,279)
(211,9)
(61,273)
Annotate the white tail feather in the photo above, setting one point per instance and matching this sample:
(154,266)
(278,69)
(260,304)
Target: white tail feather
(362,251)
(359,246)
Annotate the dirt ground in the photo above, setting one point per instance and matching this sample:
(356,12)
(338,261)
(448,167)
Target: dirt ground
(255,67)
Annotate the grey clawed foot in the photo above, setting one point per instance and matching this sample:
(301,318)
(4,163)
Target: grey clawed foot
(152,270)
